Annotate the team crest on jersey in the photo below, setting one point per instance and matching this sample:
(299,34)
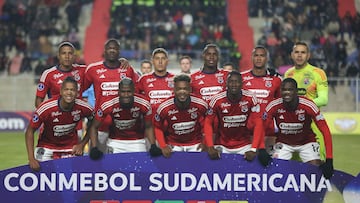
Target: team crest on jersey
(220,80)
(210,111)
(76,117)
(41,86)
(77,77)
(193,115)
(171,84)
(264,116)
(306,81)
(244,108)
(135,114)
(99,113)
(35,118)
(301,117)
(268,84)
(122,75)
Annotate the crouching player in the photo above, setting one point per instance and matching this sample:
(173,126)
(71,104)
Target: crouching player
(131,121)
(59,117)
(238,113)
(293,115)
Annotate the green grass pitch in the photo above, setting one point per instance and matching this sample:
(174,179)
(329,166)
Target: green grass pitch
(13,152)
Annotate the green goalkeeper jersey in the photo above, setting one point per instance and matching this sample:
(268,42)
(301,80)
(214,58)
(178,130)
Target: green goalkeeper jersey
(312,83)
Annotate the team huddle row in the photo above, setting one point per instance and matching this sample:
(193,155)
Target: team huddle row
(254,113)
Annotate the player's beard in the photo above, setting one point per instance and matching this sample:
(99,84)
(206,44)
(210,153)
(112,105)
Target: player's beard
(183,104)
(127,105)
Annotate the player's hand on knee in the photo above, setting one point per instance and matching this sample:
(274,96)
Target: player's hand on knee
(202,147)
(155,151)
(95,153)
(250,155)
(166,151)
(264,157)
(213,153)
(34,165)
(327,168)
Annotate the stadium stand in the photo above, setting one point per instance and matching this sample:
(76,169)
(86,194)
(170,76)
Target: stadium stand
(30,31)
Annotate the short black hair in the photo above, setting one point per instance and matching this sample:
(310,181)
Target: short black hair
(65,43)
(182,77)
(301,43)
(234,72)
(289,80)
(126,81)
(69,79)
(260,47)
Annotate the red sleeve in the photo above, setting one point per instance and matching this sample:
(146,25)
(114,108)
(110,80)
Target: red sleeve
(43,87)
(256,124)
(208,130)
(159,134)
(87,80)
(324,128)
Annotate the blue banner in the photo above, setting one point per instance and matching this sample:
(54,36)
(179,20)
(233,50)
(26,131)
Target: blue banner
(14,121)
(185,177)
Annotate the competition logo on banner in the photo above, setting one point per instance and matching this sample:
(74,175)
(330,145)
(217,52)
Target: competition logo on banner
(185,178)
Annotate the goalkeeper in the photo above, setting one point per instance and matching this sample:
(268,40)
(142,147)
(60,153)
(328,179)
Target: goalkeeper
(312,83)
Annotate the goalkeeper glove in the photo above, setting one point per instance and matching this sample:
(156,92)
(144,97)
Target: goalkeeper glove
(264,157)
(155,151)
(95,153)
(327,168)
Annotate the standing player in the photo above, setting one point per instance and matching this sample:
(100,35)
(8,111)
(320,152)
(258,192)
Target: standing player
(52,78)
(131,119)
(105,76)
(185,64)
(293,116)
(312,82)
(263,83)
(183,116)
(158,85)
(237,113)
(209,80)
(60,117)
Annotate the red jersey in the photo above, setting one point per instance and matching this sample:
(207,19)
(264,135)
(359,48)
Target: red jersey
(59,125)
(236,120)
(127,124)
(294,126)
(155,88)
(184,127)
(206,85)
(106,80)
(52,79)
(265,88)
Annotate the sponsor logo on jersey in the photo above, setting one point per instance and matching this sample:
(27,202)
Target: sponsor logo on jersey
(248,77)
(75,112)
(210,90)
(156,94)
(225,105)
(260,93)
(60,130)
(300,111)
(124,124)
(235,119)
(57,75)
(197,77)
(184,125)
(99,71)
(56,113)
(173,111)
(290,126)
(150,80)
(109,86)
(192,110)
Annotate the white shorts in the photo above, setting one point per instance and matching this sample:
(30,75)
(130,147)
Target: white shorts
(123,146)
(189,148)
(240,150)
(46,154)
(307,152)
